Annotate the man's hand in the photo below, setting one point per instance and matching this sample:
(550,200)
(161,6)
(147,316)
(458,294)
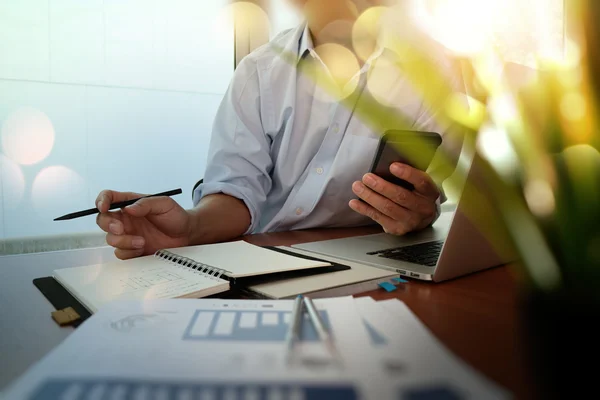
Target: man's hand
(396,209)
(143,228)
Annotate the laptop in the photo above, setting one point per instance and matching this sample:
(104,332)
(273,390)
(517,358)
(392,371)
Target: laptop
(468,239)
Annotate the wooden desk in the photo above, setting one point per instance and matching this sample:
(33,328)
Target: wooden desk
(475,316)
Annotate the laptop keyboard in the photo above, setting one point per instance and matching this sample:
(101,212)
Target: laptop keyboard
(422,253)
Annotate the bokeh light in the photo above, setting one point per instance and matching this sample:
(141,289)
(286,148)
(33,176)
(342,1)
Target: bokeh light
(340,79)
(540,198)
(382,80)
(573,106)
(12,183)
(494,144)
(366,32)
(249,17)
(503,108)
(582,161)
(58,190)
(27,136)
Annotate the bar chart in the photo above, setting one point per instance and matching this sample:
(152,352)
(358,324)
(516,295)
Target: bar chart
(132,389)
(247,325)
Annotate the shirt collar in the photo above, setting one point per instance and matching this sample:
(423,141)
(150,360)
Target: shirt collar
(305,44)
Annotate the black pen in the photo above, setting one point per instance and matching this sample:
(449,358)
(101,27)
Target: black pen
(115,206)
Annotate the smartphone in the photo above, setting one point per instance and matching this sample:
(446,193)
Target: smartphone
(413,148)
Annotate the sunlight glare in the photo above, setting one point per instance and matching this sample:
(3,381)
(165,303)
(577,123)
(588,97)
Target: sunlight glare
(503,108)
(495,146)
(462,26)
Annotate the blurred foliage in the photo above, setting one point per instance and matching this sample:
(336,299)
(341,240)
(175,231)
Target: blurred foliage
(548,194)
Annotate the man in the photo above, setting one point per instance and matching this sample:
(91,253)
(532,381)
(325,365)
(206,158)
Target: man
(285,154)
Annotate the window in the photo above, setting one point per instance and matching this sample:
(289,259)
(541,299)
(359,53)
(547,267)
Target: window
(100,94)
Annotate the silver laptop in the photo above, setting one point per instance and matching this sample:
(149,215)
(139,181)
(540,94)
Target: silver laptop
(466,240)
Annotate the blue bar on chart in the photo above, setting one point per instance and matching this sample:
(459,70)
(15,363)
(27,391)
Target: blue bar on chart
(267,326)
(133,389)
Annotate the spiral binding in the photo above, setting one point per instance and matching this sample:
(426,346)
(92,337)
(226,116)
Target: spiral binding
(198,268)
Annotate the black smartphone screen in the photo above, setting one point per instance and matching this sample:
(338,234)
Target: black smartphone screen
(413,148)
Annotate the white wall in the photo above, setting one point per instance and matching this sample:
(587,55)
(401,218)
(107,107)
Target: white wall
(99,94)
(283,16)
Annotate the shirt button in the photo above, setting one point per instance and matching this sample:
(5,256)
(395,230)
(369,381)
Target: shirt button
(319,171)
(299,211)
(336,128)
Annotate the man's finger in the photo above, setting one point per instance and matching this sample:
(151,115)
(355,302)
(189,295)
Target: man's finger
(421,180)
(380,203)
(127,254)
(388,224)
(107,197)
(125,242)
(150,206)
(396,194)
(111,222)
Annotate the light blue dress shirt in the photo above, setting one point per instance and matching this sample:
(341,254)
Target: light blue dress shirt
(287,149)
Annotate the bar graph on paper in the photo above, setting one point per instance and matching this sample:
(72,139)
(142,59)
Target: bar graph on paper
(234,325)
(135,389)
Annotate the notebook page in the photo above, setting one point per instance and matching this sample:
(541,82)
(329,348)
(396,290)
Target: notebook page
(241,259)
(136,279)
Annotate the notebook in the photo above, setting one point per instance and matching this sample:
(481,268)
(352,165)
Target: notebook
(188,272)
(359,278)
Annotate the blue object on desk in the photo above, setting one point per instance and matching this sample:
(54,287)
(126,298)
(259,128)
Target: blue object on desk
(388,286)
(400,280)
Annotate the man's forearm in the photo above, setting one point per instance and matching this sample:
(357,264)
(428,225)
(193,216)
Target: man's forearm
(218,218)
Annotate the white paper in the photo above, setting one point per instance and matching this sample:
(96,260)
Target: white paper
(136,279)
(241,259)
(235,349)
(414,357)
(139,348)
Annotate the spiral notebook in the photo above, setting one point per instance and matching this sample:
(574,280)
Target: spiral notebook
(188,272)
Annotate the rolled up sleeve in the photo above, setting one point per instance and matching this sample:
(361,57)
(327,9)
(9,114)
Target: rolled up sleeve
(239,160)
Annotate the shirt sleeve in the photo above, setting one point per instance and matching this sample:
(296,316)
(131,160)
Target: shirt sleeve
(239,160)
